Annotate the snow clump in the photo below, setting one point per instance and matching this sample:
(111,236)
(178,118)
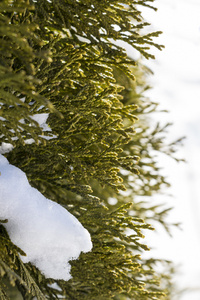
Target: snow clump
(48,234)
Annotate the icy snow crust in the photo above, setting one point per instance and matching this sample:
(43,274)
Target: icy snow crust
(48,234)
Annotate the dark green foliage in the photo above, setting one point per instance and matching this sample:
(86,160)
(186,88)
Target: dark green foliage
(18,95)
(60,58)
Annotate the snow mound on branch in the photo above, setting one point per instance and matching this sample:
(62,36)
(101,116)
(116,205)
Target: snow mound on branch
(48,234)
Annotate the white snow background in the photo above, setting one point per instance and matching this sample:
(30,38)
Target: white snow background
(176,86)
(48,234)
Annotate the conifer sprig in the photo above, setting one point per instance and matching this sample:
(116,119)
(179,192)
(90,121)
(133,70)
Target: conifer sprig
(62,58)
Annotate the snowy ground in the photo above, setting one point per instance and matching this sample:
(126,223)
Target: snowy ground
(176,85)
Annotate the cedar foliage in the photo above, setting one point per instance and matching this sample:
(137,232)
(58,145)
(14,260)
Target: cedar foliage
(60,58)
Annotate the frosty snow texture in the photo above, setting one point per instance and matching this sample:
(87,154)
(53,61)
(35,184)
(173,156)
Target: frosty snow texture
(48,234)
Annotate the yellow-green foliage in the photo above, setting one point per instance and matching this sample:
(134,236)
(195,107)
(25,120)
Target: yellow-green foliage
(60,57)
